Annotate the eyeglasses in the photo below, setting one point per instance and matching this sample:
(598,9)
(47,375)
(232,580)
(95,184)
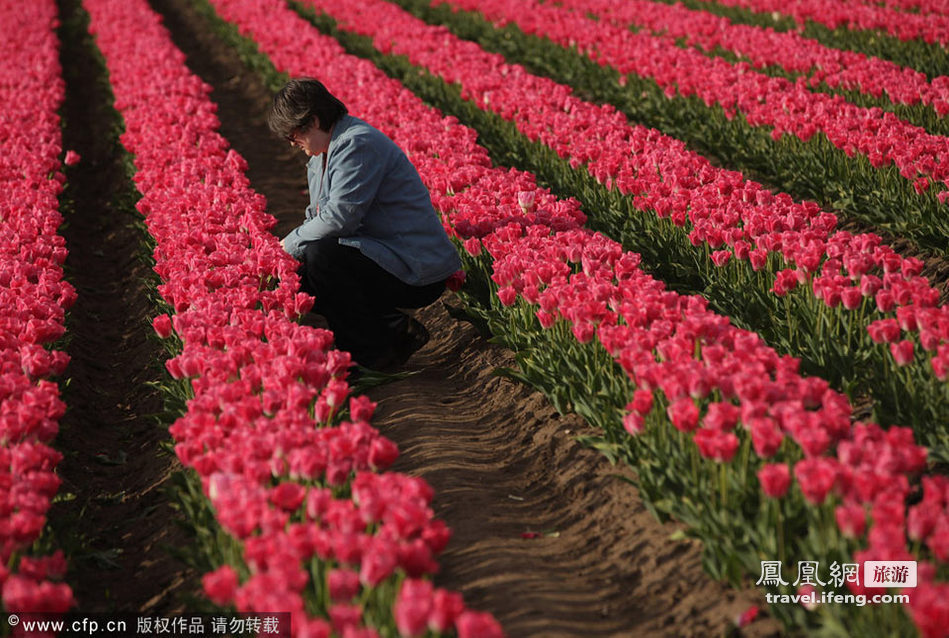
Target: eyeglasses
(300,130)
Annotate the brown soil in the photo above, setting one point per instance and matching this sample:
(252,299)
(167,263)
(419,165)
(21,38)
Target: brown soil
(501,460)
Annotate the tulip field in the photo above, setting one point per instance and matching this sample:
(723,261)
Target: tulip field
(717,231)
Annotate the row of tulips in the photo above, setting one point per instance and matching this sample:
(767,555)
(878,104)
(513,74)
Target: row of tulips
(812,169)
(318,528)
(864,285)
(556,287)
(766,47)
(931,59)
(930,28)
(786,107)
(924,7)
(33,301)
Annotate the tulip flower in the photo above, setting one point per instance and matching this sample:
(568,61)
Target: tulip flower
(413,607)
(634,423)
(775,478)
(716,445)
(816,477)
(903,352)
(221,585)
(471,624)
(851,519)
(684,414)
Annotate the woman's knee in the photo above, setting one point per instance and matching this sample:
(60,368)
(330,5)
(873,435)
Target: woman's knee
(318,256)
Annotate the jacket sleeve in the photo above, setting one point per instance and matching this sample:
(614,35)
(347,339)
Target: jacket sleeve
(354,173)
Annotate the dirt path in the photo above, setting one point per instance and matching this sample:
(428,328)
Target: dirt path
(115,520)
(501,460)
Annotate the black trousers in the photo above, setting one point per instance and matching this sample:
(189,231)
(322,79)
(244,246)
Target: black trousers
(360,299)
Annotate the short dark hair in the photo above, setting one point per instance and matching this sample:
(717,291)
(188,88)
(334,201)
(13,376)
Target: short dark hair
(300,102)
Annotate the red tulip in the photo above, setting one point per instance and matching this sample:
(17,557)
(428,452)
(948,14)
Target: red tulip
(851,519)
(775,478)
(816,477)
(634,423)
(343,585)
(221,585)
(884,330)
(716,445)
(472,624)
(413,605)
(903,352)
(766,436)
(507,295)
(684,414)
(288,496)
(344,616)
(642,401)
(382,453)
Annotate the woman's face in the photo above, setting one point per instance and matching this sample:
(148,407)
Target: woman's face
(312,140)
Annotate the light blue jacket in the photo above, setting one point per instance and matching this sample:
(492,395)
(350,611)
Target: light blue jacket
(373,199)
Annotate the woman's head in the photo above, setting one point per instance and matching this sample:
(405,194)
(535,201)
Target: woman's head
(302,103)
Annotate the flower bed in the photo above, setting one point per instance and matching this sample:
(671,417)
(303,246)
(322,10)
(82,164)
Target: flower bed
(923,7)
(33,302)
(854,277)
(295,477)
(787,107)
(788,50)
(835,14)
(556,287)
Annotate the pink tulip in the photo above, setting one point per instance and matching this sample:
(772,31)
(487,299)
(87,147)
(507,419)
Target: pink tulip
(775,478)
(716,445)
(851,297)
(344,616)
(413,605)
(884,330)
(471,624)
(721,416)
(929,610)
(766,436)
(903,352)
(816,476)
(684,414)
(507,296)
(288,496)
(851,519)
(642,402)
(162,326)
(221,585)
(634,423)
(382,453)
(343,585)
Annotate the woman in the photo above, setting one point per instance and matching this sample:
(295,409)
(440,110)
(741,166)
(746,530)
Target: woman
(371,242)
